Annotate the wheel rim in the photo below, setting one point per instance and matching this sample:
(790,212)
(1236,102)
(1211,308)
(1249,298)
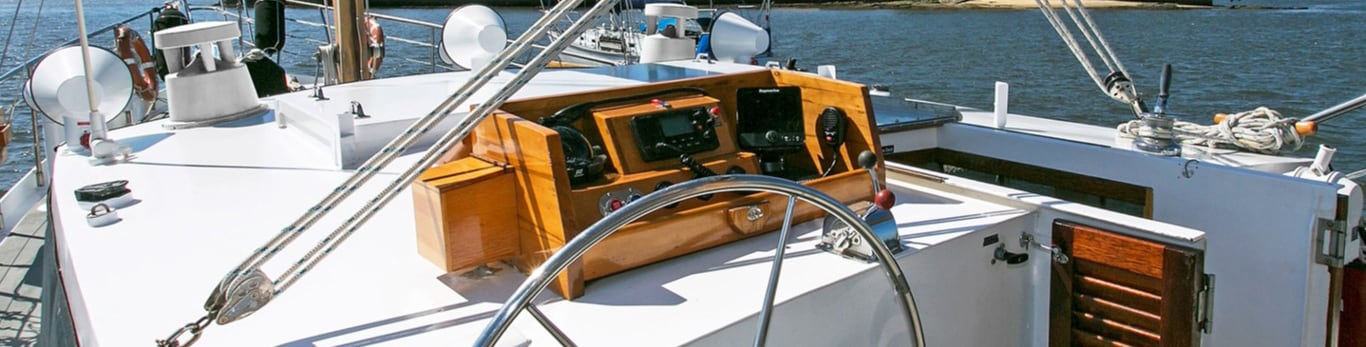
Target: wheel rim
(542,276)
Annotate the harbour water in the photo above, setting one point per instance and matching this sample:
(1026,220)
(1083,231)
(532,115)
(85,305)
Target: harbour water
(1297,61)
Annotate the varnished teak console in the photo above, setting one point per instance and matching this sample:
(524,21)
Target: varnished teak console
(510,197)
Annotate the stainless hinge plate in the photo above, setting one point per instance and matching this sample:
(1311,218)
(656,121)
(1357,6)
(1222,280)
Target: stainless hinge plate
(1204,304)
(1331,242)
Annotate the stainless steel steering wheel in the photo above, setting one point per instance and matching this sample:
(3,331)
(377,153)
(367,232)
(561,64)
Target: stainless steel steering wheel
(574,249)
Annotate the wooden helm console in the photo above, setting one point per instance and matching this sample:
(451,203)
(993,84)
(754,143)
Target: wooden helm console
(506,193)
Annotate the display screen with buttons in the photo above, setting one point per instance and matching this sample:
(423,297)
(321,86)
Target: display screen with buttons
(667,134)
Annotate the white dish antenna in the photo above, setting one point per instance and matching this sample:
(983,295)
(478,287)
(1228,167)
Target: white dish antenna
(57,86)
(441,51)
(472,36)
(736,39)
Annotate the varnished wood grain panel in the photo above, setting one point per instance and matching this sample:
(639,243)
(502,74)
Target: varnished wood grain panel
(1183,272)
(1088,339)
(1118,276)
(1134,255)
(455,232)
(1112,292)
(686,231)
(623,149)
(819,93)
(1100,187)
(548,212)
(1113,329)
(541,190)
(1123,295)
(585,200)
(1352,330)
(1124,314)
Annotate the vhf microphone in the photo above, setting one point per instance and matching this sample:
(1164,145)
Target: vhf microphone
(832,124)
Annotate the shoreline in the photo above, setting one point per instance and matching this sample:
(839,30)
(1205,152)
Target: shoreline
(993,5)
(876,4)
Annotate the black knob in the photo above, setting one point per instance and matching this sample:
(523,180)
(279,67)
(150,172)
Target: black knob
(772,137)
(867,160)
(1011,258)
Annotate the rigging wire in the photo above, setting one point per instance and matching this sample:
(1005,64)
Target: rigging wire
(1103,43)
(1086,31)
(14,22)
(33,33)
(1051,15)
(1116,83)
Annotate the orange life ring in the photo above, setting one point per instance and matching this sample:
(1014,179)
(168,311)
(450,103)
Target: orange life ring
(375,42)
(140,63)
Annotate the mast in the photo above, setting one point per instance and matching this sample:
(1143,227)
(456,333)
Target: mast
(351,36)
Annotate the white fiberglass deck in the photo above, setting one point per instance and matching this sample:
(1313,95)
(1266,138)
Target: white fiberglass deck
(137,279)
(207,197)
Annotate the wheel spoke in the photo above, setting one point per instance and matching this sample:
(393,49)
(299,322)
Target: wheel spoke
(549,326)
(573,250)
(766,315)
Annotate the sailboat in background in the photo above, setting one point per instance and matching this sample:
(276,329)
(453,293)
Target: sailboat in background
(619,38)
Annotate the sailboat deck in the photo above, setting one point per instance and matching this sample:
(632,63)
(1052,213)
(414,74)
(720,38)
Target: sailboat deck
(205,198)
(138,278)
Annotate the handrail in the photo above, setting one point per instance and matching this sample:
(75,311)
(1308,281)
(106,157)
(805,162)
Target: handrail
(368,13)
(431,46)
(101,30)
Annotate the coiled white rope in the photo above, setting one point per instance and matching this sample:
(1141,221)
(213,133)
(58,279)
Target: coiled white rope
(1261,130)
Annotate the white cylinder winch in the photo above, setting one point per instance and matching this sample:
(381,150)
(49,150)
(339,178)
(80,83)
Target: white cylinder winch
(1342,240)
(212,88)
(667,43)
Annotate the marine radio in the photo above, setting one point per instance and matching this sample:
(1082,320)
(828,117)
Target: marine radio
(667,134)
(657,134)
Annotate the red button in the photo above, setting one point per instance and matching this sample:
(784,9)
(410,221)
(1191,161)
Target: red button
(614,205)
(716,110)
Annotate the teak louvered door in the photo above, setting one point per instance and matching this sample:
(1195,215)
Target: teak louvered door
(1118,290)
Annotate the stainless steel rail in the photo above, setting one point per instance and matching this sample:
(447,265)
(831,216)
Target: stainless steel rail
(29,63)
(573,250)
(25,68)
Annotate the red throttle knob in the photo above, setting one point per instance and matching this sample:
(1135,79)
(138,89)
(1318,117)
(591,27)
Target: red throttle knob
(884,199)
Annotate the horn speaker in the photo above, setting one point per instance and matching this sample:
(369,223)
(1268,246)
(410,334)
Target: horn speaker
(736,39)
(57,86)
(472,36)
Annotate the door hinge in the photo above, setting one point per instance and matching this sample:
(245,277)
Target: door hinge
(1204,304)
(1331,241)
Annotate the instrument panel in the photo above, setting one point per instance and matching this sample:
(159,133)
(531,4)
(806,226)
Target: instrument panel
(654,135)
(672,132)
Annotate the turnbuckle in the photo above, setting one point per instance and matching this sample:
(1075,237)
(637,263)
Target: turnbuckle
(194,330)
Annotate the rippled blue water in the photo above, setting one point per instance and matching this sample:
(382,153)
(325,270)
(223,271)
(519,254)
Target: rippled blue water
(1295,61)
